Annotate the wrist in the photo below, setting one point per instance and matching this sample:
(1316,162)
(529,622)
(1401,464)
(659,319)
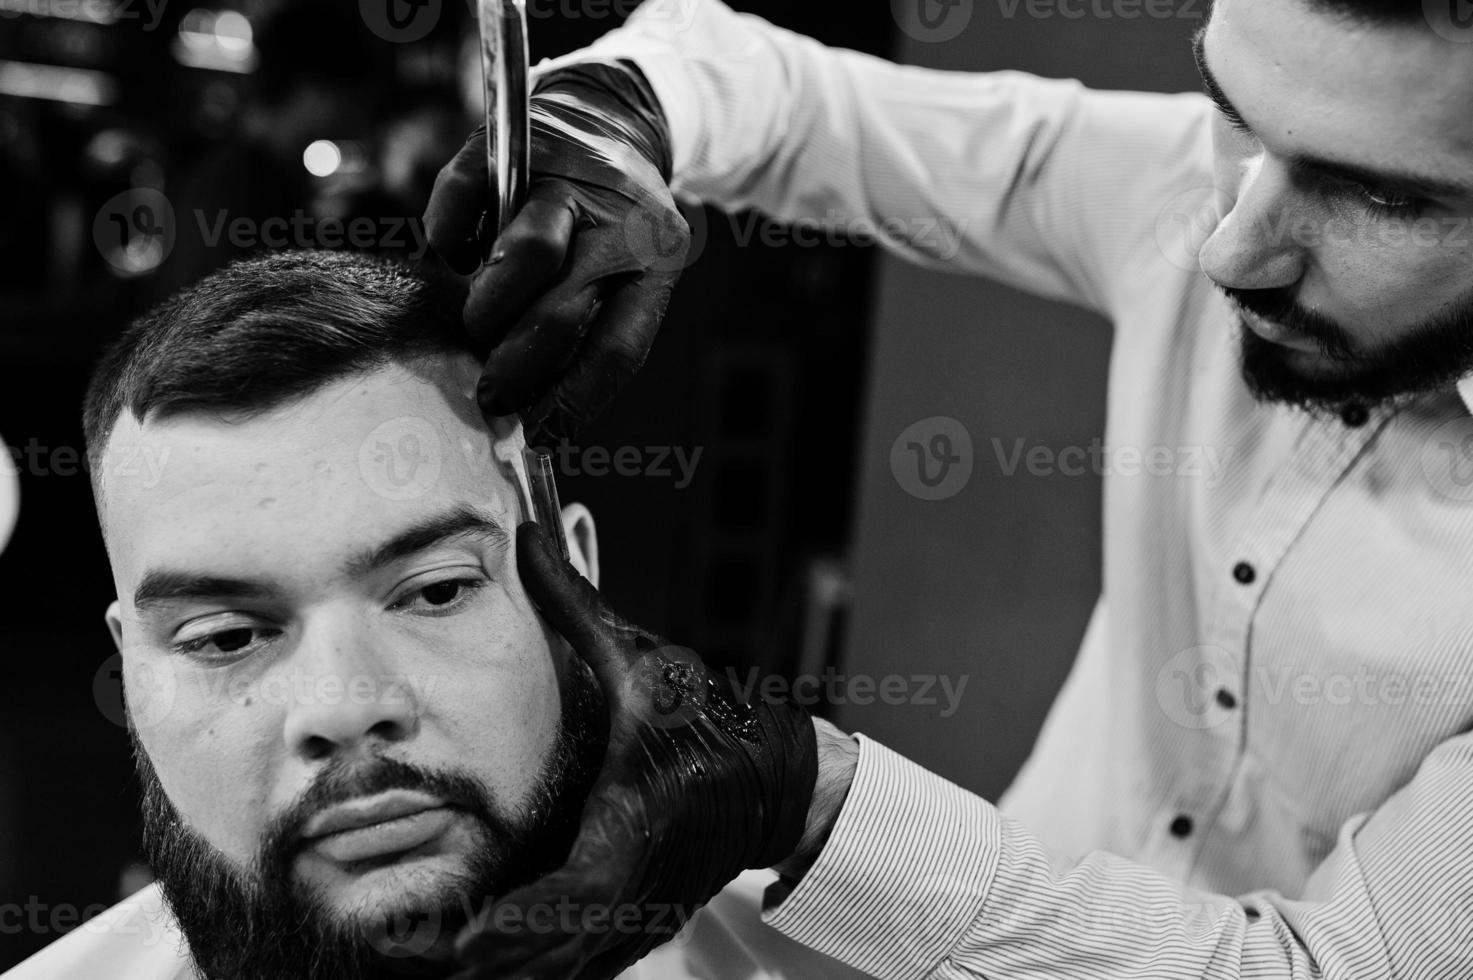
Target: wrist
(838,759)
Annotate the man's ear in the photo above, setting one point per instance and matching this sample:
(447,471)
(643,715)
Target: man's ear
(114,617)
(582,540)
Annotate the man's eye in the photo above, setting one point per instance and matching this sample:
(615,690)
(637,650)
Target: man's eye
(1383,202)
(222,644)
(440,597)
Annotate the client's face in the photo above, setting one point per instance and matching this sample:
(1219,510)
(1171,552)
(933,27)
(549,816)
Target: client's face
(347,713)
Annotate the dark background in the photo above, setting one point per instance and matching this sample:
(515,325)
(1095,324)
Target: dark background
(793,369)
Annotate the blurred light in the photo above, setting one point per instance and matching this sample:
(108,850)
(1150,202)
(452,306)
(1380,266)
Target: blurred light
(142,255)
(233,32)
(77,86)
(322,158)
(9,494)
(215,41)
(97,12)
(109,148)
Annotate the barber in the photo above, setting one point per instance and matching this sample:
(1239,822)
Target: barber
(1180,817)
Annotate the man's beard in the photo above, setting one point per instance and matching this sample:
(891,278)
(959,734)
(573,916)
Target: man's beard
(261,923)
(1431,355)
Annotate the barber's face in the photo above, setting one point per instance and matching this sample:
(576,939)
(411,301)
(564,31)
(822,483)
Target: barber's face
(328,656)
(1345,188)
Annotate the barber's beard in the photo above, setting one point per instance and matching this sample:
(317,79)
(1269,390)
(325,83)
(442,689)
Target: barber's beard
(1431,355)
(261,922)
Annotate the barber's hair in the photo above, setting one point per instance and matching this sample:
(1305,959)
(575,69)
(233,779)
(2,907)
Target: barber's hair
(1404,12)
(264,332)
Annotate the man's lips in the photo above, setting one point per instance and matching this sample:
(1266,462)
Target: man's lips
(1276,333)
(377,826)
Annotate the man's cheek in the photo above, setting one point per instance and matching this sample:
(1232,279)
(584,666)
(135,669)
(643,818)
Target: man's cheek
(206,768)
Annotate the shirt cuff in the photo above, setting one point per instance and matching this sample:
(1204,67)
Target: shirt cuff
(906,869)
(650,39)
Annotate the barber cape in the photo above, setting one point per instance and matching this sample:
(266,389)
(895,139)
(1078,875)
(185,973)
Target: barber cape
(137,939)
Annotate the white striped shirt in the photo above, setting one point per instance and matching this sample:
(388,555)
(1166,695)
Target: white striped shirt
(1261,764)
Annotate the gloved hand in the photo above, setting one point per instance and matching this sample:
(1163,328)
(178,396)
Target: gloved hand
(572,293)
(696,787)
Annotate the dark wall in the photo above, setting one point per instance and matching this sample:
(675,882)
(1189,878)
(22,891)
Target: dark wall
(996,583)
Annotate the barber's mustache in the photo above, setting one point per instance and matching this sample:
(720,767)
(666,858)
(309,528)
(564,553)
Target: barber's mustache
(1281,306)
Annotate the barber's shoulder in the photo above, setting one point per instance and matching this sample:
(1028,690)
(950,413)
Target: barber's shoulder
(137,939)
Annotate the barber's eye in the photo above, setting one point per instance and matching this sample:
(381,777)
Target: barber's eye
(1383,201)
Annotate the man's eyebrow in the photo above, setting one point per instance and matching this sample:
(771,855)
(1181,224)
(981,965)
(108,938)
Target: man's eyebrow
(1209,80)
(461,520)
(1319,168)
(162,586)
(165,585)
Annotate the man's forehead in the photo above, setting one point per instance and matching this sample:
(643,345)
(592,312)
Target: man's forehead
(1389,93)
(382,448)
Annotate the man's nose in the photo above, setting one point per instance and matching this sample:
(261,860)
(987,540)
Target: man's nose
(345,692)
(1263,240)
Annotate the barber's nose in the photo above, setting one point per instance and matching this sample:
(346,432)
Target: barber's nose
(1263,239)
(345,693)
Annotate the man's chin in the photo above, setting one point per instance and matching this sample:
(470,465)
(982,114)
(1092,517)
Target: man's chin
(1302,376)
(409,905)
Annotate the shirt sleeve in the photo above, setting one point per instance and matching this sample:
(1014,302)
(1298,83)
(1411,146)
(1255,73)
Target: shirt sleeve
(922,879)
(1040,183)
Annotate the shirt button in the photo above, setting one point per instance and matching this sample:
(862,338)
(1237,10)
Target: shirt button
(1355,415)
(1181,827)
(1245,573)
(1226,699)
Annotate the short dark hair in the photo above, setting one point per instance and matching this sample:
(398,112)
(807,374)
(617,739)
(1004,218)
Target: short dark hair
(263,332)
(1374,11)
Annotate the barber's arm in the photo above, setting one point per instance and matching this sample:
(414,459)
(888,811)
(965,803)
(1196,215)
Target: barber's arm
(922,879)
(899,873)
(1039,183)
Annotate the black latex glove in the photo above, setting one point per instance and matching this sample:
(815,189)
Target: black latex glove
(696,787)
(572,293)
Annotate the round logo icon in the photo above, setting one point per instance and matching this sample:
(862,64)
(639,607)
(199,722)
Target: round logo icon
(667,687)
(667,241)
(134,231)
(932,21)
(1187,686)
(1447,459)
(408,934)
(400,21)
(401,458)
(1186,222)
(932,460)
(1451,19)
(146,696)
